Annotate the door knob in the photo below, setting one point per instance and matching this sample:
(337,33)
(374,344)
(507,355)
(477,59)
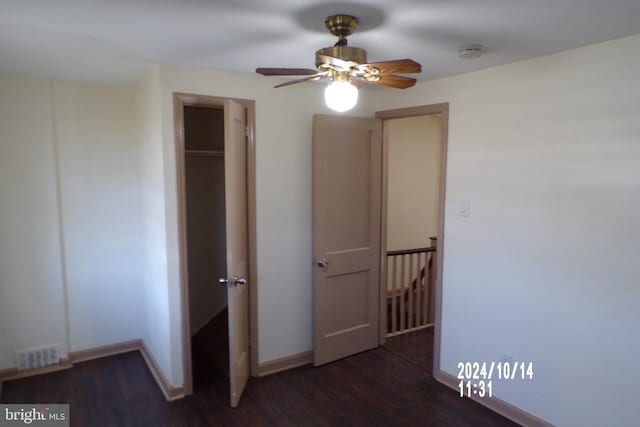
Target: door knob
(322,263)
(232,282)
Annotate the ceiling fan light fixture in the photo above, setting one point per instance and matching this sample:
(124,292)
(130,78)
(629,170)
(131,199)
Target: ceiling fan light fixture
(340,95)
(346,67)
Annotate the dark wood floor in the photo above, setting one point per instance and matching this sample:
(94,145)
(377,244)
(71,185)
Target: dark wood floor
(414,347)
(210,351)
(388,386)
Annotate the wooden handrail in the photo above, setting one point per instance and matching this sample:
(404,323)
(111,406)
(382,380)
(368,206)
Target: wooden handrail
(410,251)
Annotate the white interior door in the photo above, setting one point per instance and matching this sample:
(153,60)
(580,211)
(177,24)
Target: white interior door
(235,163)
(347,183)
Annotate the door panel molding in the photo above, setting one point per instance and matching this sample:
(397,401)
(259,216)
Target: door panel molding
(180,100)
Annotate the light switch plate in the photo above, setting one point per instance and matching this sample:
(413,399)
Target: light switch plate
(464,208)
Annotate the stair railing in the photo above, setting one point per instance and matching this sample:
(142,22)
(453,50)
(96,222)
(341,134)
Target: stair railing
(410,289)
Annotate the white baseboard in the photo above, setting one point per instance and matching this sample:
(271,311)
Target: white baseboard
(284,363)
(498,405)
(104,351)
(170,392)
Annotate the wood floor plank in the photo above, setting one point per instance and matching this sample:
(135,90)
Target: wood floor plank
(388,386)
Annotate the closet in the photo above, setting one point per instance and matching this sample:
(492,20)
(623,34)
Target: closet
(206,244)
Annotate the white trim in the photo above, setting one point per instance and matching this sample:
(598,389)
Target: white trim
(496,404)
(104,351)
(285,363)
(169,391)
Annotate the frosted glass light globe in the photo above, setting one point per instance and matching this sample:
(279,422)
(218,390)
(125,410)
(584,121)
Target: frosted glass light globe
(341,96)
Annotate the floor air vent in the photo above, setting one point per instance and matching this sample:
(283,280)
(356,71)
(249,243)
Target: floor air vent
(39,357)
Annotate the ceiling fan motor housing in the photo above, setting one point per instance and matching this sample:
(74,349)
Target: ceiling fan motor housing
(341,26)
(346,53)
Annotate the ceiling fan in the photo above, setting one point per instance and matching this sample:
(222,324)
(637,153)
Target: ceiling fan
(346,67)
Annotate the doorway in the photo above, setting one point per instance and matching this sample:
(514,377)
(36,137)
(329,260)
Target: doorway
(204,173)
(350,217)
(414,163)
(215,165)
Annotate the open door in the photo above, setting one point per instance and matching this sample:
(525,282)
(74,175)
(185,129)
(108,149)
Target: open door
(235,163)
(347,182)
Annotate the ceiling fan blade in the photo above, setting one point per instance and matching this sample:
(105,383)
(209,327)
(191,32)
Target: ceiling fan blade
(315,77)
(398,66)
(337,63)
(285,71)
(397,82)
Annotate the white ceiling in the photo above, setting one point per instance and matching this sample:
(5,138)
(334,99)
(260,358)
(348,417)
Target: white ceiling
(117,40)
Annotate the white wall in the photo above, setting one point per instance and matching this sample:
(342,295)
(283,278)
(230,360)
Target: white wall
(102,217)
(413,162)
(545,268)
(32,306)
(70,247)
(156,299)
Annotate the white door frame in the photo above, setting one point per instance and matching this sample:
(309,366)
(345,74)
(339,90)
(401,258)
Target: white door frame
(180,100)
(424,110)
